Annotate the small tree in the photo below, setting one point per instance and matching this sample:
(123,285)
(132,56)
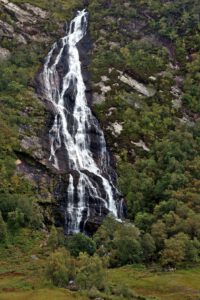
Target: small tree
(53,240)
(159,233)
(80,243)
(3,230)
(148,247)
(175,250)
(91,272)
(60,268)
(16,219)
(127,245)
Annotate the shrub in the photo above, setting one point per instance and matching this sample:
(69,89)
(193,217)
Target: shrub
(120,242)
(20,210)
(60,268)
(53,240)
(80,243)
(91,272)
(178,249)
(148,247)
(3,230)
(127,245)
(16,219)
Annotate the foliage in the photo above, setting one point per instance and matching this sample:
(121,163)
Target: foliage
(60,268)
(91,272)
(157,43)
(3,230)
(87,272)
(78,243)
(120,242)
(19,211)
(53,240)
(179,248)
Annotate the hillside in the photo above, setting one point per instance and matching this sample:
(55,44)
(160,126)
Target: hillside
(140,65)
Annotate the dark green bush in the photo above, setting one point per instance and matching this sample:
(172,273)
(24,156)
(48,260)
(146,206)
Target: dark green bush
(80,243)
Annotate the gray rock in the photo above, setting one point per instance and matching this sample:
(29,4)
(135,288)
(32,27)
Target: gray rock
(110,111)
(4,53)
(116,128)
(33,145)
(98,98)
(104,78)
(34,257)
(20,14)
(36,11)
(6,30)
(177,103)
(139,87)
(141,144)
(114,45)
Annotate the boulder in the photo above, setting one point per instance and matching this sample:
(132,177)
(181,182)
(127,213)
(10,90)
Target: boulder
(142,145)
(4,53)
(139,87)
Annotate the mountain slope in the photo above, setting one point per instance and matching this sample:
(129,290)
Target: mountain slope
(144,73)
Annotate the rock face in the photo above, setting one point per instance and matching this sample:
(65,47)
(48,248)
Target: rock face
(29,14)
(77,146)
(27,22)
(38,12)
(76,194)
(21,15)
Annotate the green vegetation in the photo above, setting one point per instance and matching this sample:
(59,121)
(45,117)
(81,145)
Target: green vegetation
(156,43)
(23,274)
(20,114)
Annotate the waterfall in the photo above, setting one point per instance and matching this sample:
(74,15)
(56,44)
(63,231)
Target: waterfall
(77,133)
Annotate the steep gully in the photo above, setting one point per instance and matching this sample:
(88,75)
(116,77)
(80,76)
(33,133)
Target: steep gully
(77,136)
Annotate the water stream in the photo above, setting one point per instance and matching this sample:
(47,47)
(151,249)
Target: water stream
(76,130)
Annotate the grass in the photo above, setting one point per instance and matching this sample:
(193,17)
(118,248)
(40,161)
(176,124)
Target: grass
(177,285)
(22,271)
(23,277)
(42,294)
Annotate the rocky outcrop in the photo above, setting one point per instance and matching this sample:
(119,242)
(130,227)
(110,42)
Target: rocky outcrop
(116,128)
(20,15)
(141,144)
(38,12)
(29,14)
(4,53)
(8,31)
(139,87)
(26,22)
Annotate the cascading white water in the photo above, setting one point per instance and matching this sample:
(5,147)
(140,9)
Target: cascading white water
(77,131)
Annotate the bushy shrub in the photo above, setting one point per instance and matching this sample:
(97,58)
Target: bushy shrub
(86,271)
(60,267)
(120,242)
(80,243)
(3,230)
(91,272)
(53,240)
(20,210)
(178,249)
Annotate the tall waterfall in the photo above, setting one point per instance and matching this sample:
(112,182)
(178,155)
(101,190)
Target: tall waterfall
(90,188)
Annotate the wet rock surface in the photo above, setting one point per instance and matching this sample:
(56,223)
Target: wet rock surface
(62,161)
